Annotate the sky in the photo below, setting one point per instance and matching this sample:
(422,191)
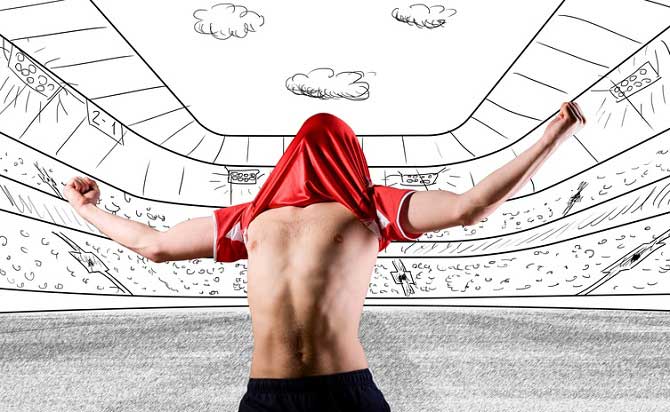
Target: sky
(420,80)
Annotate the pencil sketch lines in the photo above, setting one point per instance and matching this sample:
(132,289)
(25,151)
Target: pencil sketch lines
(643,84)
(577,197)
(541,83)
(403,277)
(91,262)
(225,20)
(558,235)
(60,33)
(323,83)
(599,26)
(628,261)
(419,179)
(46,178)
(637,81)
(244,176)
(572,55)
(32,75)
(31,5)
(423,16)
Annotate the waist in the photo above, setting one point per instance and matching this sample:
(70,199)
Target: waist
(314,383)
(281,359)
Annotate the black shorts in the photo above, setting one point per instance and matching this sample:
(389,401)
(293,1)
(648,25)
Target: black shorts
(347,391)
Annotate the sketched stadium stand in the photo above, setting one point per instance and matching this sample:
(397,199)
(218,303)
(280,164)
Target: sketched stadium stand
(158,164)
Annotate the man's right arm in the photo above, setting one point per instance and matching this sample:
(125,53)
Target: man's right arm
(187,240)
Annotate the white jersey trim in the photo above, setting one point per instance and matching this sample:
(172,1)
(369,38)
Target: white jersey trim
(215,236)
(397,219)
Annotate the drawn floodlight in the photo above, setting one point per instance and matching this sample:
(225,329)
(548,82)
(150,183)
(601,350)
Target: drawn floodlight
(403,277)
(647,99)
(323,83)
(577,197)
(242,176)
(91,262)
(628,261)
(637,81)
(423,16)
(419,179)
(30,73)
(225,20)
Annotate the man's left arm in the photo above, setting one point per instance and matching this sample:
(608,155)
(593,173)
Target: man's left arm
(440,209)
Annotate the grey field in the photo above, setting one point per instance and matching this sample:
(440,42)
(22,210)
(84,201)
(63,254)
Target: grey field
(422,360)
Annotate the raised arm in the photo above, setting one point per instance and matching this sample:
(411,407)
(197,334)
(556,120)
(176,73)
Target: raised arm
(440,209)
(187,240)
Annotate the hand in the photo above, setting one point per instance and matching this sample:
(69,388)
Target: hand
(80,191)
(568,121)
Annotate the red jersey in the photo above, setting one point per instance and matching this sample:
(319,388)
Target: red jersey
(323,163)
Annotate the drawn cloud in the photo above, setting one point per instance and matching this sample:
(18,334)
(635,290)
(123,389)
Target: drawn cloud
(226,20)
(323,83)
(423,16)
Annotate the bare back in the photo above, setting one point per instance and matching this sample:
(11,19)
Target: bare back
(308,274)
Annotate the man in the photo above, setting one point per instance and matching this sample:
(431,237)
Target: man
(311,236)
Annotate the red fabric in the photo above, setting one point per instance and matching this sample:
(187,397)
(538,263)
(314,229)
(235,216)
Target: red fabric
(323,163)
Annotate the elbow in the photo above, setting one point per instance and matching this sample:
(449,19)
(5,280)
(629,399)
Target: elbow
(475,216)
(156,252)
(157,258)
(471,213)
(468,219)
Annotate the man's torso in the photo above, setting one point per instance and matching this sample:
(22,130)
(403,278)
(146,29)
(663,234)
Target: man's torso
(308,274)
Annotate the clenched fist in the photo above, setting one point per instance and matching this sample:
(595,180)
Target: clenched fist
(568,121)
(80,191)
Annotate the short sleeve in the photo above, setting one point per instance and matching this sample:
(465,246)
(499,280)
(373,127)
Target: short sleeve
(389,201)
(228,237)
